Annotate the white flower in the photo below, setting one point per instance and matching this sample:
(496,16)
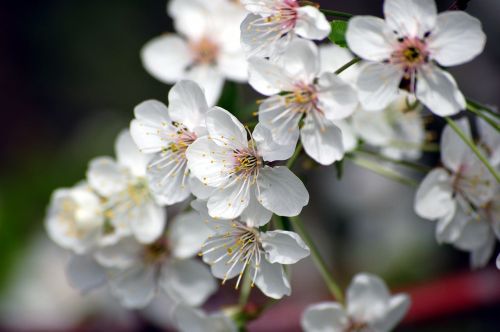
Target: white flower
(272,24)
(137,271)
(167,133)
(75,218)
(235,247)
(369,307)
(465,185)
(190,319)
(129,204)
(397,130)
(240,175)
(498,261)
(318,100)
(408,49)
(208,50)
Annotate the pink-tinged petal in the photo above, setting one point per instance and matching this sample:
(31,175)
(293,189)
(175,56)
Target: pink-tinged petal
(456,39)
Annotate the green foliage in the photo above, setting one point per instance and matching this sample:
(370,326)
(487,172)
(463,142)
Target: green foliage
(337,36)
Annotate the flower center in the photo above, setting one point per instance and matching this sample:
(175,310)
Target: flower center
(180,141)
(304,98)
(205,51)
(410,54)
(247,164)
(156,252)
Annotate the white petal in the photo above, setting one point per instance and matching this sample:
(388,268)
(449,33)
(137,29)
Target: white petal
(166,58)
(398,307)
(373,127)
(150,223)
(349,137)
(367,298)
(434,198)
(168,178)
(106,177)
(187,104)
(322,141)
(324,317)
(311,23)
(272,280)
(284,247)
(135,287)
(151,117)
(268,148)
(120,255)
(300,61)
(480,257)
(281,191)
(370,38)
(378,85)
(498,261)
(255,215)
(267,77)
(456,39)
(225,128)
(207,160)
(188,280)
(187,233)
(234,66)
(198,189)
(84,273)
(410,18)
(210,80)
(490,139)
(191,18)
(336,98)
(437,90)
(194,320)
(281,119)
(332,57)
(474,235)
(128,154)
(453,148)
(449,227)
(229,202)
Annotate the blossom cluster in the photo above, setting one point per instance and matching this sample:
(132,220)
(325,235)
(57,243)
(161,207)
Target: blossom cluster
(226,181)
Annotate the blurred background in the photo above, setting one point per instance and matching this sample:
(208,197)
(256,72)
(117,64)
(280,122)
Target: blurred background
(70,75)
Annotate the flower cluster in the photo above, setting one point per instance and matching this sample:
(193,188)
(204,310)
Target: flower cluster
(332,101)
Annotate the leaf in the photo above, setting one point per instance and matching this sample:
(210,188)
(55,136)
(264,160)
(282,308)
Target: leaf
(337,36)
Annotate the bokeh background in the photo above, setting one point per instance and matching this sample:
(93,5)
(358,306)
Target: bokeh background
(70,75)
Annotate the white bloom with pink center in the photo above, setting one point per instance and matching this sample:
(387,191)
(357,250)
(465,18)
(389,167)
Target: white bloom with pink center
(369,307)
(166,133)
(459,194)
(272,24)
(408,48)
(234,248)
(129,206)
(241,174)
(208,50)
(298,89)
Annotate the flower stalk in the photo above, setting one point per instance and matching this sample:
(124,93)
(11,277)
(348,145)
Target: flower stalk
(336,13)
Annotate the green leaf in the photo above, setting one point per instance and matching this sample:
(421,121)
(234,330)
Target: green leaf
(337,36)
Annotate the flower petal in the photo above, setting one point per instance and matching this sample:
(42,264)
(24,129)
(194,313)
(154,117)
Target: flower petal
(190,319)
(410,18)
(128,154)
(336,98)
(121,255)
(105,176)
(281,191)
(370,38)
(332,57)
(187,104)
(268,148)
(229,202)
(281,119)
(234,66)
(453,149)
(255,215)
(311,23)
(456,39)
(84,273)
(322,140)
(480,257)
(187,233)
(300,61)
(398,307)
(187,280)
(378,85)
(434,197)
(267,77)
(150,224)
(210,80)
(438,90)
(151,117)
(225,128)
(135,287)
(272,280)
(324,317)
(367,298)
(284,247)
(162,62)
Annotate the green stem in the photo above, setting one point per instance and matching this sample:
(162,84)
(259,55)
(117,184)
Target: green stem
(480,107)
(486,118)
(473,147)
(335,13)
(429,147)
(318,260)
(295,155)
(246,288)
(385,172)
(406,163)
(347,65)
